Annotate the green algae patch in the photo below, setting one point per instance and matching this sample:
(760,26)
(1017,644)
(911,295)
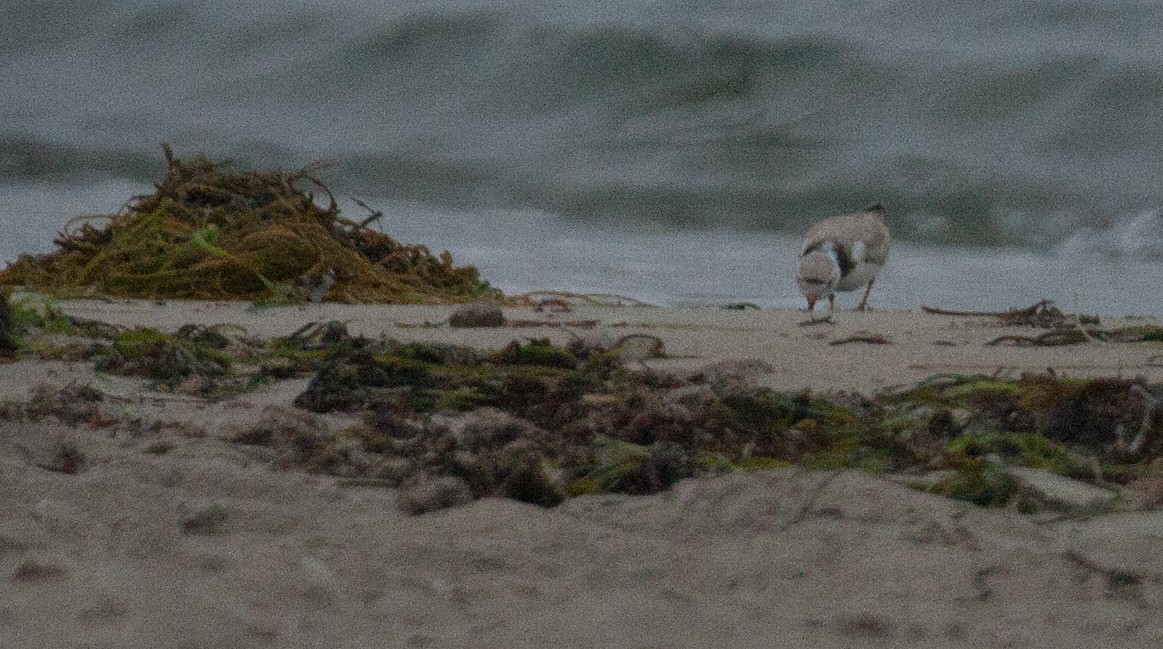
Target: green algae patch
(166,359)
(578,421)
(759,464)
(1020,449)
(430,377)
(588,424)
(623,467)
(986,485)
(954,390)
(20,325)
(1140,333)
(9,329)
(213,232)
(539,352)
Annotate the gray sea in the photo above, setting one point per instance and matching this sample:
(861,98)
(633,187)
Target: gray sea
(668,150)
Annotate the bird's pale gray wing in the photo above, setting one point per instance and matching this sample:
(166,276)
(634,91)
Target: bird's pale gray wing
(812,245)
(877,242)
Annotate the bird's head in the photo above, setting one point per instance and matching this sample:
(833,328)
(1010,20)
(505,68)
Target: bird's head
(818,274)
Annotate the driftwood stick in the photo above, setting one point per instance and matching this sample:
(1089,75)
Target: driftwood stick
(1012,313)
(302,330)
(1042,314)
(1146,426)
(871,340)
(937,311)
(372,218)
(599,299)
(1065,336)
(580,324)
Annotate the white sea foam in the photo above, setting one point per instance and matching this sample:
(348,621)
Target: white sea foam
(1136,237)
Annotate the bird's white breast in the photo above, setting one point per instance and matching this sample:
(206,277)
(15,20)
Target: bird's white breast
(860,274)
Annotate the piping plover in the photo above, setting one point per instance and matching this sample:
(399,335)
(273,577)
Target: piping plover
(843,253)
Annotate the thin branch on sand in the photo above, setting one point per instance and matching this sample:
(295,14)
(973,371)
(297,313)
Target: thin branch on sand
(871,340)
(1041,314)
(598,299)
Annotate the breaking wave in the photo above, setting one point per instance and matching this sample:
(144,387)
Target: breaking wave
(1035,125)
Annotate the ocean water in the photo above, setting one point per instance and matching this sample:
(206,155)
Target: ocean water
(666,149)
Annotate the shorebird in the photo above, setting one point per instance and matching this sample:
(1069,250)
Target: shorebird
(843,253)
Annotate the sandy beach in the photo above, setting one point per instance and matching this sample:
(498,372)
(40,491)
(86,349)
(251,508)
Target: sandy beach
(448,324)
(173,537)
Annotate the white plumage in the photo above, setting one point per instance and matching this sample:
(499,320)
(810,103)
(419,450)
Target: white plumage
(843,253)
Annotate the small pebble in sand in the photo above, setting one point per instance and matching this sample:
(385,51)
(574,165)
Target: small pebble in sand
(320,580)
(203,520)
(431,494)
(864,625)
(103,608)
(38,568)
(67,458)
(159,447)
(55,515)
(477,315)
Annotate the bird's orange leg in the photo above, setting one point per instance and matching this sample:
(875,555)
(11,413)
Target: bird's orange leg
(863,306)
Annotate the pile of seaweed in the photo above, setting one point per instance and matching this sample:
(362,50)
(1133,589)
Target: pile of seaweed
(542,422)
(212,232)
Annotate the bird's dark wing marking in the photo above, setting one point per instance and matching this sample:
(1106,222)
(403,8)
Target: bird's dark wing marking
(844,259)
(812,247)
(843,255)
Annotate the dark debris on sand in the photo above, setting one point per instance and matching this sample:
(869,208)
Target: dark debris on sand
(8,344)
(541,422)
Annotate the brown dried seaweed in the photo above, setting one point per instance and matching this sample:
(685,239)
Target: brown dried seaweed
(212,232)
